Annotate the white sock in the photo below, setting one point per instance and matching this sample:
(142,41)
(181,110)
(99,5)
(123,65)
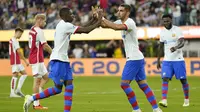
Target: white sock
(21,81)
(36,102)
(40,89)
(13,85)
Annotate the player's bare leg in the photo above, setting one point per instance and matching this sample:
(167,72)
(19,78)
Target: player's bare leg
(13,85)
(185,86)
(165,82)
(20,83)
(44,80)
(149,94)
(36,85)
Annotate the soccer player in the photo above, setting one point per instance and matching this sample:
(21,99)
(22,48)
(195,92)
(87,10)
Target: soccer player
(37,43)
(60,70)
(172,39)
(134,67)
(17,67)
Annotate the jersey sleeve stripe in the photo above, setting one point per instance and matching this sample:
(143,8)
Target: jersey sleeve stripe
(76,29)
(125,26)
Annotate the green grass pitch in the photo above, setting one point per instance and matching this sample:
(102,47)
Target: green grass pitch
(103,94)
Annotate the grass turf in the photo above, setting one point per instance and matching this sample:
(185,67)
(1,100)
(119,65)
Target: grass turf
(103,94)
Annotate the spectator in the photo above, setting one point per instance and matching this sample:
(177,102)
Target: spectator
(93,52)
(78,51)
(26,51)
(176,13)
(144,12)
(118,52)
(193,16)
(110,47)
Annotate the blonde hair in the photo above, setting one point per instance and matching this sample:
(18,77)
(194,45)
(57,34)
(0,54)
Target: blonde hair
(40,16)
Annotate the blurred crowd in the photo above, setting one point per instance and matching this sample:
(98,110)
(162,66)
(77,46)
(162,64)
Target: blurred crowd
(88,49)
(21,13)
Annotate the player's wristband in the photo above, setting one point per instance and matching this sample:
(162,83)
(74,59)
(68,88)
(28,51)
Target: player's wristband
(103,18)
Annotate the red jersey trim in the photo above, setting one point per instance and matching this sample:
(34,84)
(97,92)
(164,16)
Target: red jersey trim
(125,26)
(76,29)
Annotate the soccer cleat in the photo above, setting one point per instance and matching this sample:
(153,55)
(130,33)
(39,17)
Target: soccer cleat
(18,92)
(39,107)
(138,110)
(27,103)
(13,95)
(157,110)
(163,103)
(186,103)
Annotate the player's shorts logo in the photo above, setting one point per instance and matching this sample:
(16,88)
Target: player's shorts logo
(164,74)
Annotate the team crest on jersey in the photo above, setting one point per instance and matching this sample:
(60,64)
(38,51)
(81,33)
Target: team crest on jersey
(173,35)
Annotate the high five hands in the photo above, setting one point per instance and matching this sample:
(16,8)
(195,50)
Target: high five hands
(98,13)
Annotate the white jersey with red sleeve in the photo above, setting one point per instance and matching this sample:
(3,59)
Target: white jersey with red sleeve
(36,42)
(61,40)
(129,37)
(14,56)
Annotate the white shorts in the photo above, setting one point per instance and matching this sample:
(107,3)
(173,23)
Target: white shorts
(17,68)
(39,70)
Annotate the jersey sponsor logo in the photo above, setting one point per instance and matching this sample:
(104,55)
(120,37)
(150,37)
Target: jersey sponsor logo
(173,35)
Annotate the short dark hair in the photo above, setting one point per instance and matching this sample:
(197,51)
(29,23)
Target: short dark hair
(63,12)
(19,29)
(167,16)
(126,6)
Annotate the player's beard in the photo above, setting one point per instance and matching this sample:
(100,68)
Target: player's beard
(169,26)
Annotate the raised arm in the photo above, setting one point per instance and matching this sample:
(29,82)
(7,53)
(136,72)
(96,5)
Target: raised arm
(92,21)
(22,57)
(89,28)
(160,52)
(93,24)
(108,24)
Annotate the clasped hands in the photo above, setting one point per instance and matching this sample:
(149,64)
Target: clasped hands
(98,14)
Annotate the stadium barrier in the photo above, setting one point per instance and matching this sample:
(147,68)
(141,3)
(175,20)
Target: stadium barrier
(107,67)
(108,34)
